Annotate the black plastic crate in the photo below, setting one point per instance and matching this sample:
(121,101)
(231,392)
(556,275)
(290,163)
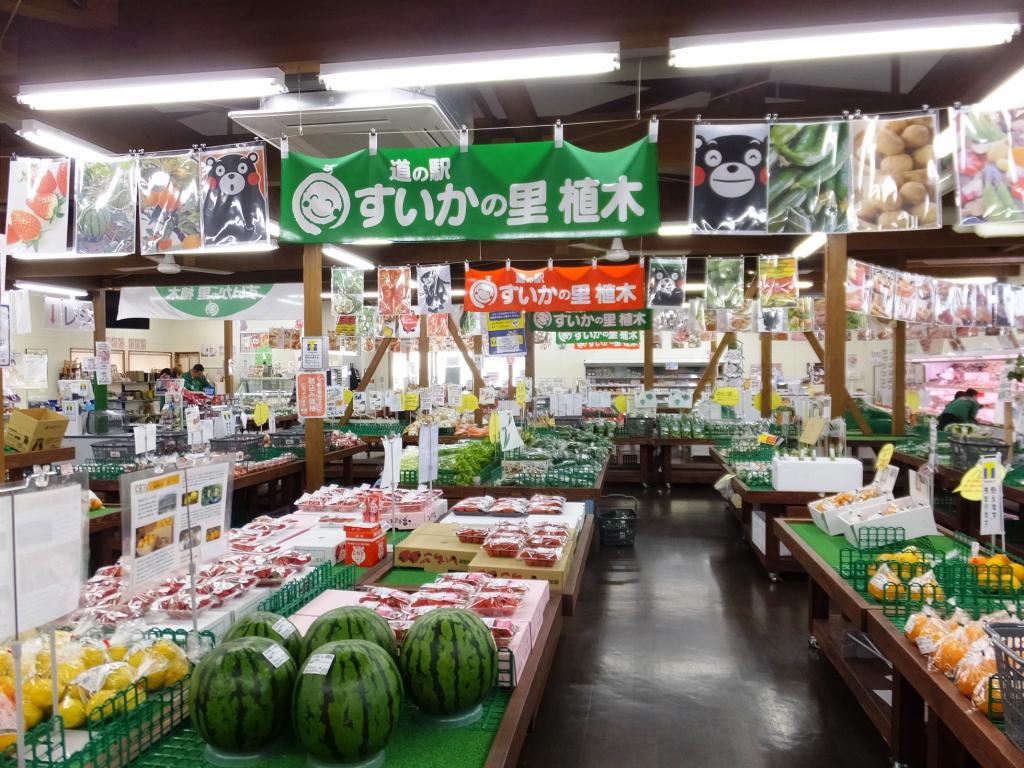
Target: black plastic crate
(247,445)
(617,517)
(171,442)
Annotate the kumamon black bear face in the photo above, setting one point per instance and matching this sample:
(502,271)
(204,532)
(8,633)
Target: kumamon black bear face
(731,166)
(230,173)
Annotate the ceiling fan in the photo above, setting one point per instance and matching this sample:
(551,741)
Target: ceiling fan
(166,265)
(617,251)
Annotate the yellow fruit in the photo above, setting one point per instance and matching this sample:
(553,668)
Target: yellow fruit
(6,663)
(7,741)
(72,711)
(93,657)
(117,652)
(7,687)
(33,715)
(42,663)
(999,559)
(169,650)
(136,658)
(39,691)
(100,705)
(176,671)
(119,678)
(68,671)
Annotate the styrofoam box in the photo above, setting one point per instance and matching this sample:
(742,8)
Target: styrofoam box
(829,519)
(218,622)
(326,545)
(817,474)
(573,515)
(914,517)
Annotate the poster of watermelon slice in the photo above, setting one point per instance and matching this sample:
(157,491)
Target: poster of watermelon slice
(37,205)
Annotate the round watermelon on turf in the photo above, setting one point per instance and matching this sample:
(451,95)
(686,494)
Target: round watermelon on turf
(350,622)
(267,624)
(449,661)
(347,700)
(240,694)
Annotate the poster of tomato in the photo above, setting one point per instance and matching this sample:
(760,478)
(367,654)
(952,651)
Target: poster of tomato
(169,212)
(394,286)
(37,205)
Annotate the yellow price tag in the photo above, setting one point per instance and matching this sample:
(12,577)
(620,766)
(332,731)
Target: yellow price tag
(494,428)
(776,400)
(260,414)
(347,396)
(913,401)
(410,401)
(470,402)
(521,393)
(884,456)
(621,403)
(970,485)
(727,396)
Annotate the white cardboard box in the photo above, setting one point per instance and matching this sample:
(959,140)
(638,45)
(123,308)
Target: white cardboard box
(817,474)
(326,545)
(915,517)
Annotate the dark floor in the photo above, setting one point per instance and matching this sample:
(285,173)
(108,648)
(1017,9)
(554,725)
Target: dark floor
(682,654)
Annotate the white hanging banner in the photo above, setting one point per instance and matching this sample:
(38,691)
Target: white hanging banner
(428,440)
(392,461)
(221,302)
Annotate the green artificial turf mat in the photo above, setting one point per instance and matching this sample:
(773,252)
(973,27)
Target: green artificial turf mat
(103,512)
(410,576)
(828,547)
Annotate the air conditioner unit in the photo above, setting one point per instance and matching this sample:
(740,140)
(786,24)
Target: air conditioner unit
(330,123)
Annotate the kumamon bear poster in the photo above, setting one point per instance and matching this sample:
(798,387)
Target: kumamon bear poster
(730,178)
(234,188)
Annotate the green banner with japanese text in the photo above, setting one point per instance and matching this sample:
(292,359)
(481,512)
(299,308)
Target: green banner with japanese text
(488,192)
(614,320)
(586,337)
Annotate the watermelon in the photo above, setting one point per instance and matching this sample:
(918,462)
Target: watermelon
(449,661)
(347,701)
(240,694)
(350,622)
(267,624)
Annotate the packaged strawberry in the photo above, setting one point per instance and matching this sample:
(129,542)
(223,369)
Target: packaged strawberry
(116,571)
(393,597)
(509,526)
(473,578)
(400,627)
(503,544)
(494,604)
(292,558)
(509,507)
(438,599)
(540,557)
(472,534)
(464,588)
(382,609)
(502,630)
(505,586)
(474,505)
(545,540)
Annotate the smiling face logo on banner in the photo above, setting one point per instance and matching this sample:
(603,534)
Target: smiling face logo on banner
(320,202)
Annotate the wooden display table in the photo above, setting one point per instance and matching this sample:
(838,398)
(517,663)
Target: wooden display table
(893,690)
(18,464)
(344,457)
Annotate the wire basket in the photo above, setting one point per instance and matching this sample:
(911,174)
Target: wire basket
(118,449)
(247,445)
(617,517)
(966,451)
(289,439)
(171,442)
(1008,641)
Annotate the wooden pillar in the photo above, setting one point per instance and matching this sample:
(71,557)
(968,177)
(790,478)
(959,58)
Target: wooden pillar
(313,325)
(478,382)
(424,346)
(766,374)
(835,322)
(899,378)
(711,371)
(531,365)
(99,315)
(649,357)
(229,352)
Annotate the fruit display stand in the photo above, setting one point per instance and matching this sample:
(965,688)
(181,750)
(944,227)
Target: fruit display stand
(665,446)
(344,457)
(893,690)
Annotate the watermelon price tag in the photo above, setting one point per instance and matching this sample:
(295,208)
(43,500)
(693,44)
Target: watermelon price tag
(277,655)
(284,628)
(318,664)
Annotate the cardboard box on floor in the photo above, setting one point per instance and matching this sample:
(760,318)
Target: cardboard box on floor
(35,429)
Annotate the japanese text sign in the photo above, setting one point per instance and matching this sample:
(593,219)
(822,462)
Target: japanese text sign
(612,320)
(311,394)
(584,337)
(506,334)
(489,192)
(611,287)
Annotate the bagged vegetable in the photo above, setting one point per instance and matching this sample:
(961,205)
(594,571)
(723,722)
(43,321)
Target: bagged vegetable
(808,177)
(990,165)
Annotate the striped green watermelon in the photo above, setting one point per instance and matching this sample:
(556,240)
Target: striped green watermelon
(347,701)
(350,622)
(449,661)
(240,693)
(267,624)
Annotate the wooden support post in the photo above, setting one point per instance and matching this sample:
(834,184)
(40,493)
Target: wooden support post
(766,374)
(229,352)
(313,325)
(835,322)
(383,345)
(99,315)
(424,345)
(712,370)
(531,364)
(899,378)
(649,358)
(478,381)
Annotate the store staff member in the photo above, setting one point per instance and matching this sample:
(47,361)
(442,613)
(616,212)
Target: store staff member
(195,380)
(962,409)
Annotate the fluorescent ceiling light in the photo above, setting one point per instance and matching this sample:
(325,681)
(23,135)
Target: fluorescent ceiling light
(261,247)
(372,241)
(160,89)
(675,229)
(64,256)
(347,257)
(809,245)
(695,287)
(972,280)
(458,292)
(1007,93)
(999,229)
(482,67)
(371,294)
(273,228)
(842,40)
(60,142)
(804,284)
(324,295)
(57,290)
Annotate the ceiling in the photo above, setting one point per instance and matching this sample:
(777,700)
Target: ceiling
(60,40)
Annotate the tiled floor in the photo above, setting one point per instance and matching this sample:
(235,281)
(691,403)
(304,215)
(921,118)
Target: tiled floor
(682,654)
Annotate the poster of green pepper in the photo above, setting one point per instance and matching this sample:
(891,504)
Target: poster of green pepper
(723,288)
(346,290)
(808,177)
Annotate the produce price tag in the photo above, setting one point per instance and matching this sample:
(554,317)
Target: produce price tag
(454,394)
(991,496)
(680,398)
(277,655)
(884,456)
(284,628)
(318,664)
(410,401)
(767,439)
(470,402)
(521,393)
(729,396)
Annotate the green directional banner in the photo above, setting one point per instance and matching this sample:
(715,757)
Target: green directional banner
(488,192)
(587,337)
(615,320)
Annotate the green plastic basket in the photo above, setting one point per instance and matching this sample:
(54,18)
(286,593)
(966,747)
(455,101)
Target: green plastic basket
(295,594)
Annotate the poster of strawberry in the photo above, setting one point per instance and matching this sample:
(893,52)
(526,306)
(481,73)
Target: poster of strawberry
(105,203)
(37,205)
(169,213)
(235,195)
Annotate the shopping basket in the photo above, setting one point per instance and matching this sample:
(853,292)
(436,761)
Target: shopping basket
(1008,641)
(966,451)
(617,516)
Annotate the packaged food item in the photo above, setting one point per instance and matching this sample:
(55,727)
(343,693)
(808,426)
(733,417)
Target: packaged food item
(858,286)
(979,663)
(437,600)
(883,289)
(543,504)
(927,588)
(885,585)
(503,544)
(502,630)
(988,698)
(382,609)
(509,507)
(292,559)
(724,283)
(474,505)
(989,162)
(895,175)
(473,577)
(464,588)
(944,308)
(472,534)
(777,281)
(396,598)
(400,627)
(928,634)
(494,604)
(540,557)
(808,177)
(505,586)
(949,652)
(544,540)
(730,178)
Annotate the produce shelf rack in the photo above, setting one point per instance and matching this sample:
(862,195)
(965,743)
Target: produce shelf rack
(294,595)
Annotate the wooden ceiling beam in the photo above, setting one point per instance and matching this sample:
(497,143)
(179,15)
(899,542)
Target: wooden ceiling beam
(94,14)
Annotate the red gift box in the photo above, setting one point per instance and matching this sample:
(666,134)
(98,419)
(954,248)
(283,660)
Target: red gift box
(363,530)
(365,553)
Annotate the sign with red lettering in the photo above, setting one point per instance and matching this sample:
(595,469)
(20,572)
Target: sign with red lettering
(575,289)
(311,394)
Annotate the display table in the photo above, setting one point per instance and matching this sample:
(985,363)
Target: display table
(665,446)
(19,463)
(104,537)
(344,457)
(589,494)
(895,689)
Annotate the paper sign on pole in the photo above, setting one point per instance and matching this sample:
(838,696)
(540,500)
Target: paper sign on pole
(680,398)
(813,427)
(521,393)
(392,461)
(314,353)
(992,519)
(410,401)
(488,395)
(311,394)
(428,442)
(729,396)
(469,402)
(454,392)
(646,400)
(508,433)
